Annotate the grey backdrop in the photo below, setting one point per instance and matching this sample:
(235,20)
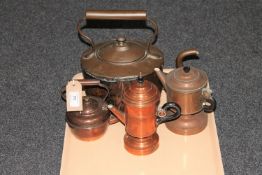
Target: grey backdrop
(40,51)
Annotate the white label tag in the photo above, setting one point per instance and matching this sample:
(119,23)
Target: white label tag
(74,96)
(74,99)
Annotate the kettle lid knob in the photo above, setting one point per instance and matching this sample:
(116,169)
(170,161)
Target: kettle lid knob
(186,69)
(120,40)
(140,78)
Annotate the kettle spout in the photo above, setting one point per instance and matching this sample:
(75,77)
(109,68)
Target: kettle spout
(117,113)
(162,77)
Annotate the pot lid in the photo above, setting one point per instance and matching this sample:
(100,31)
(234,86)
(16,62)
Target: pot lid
(91,105)
(120,51)
(94,113)
(186,79)
(121,59)
(141,92)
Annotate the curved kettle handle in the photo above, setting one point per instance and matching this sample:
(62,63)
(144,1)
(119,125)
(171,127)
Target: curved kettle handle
(167,118)
(86,82)
(116,15)
(128,15)
(182,55)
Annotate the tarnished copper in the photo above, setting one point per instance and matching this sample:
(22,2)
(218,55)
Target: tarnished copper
(116,15)
(120,60)
(92,122)
(141,99)
(188,87)
(189,124)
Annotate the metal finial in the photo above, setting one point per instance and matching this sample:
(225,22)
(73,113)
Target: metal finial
(140,78)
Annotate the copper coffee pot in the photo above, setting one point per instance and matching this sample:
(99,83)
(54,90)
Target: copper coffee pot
(188,87)
(119,61)
(140,117)
(92,122)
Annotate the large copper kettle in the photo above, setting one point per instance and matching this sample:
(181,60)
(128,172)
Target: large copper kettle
(141,118)
(118,61)
(188,87)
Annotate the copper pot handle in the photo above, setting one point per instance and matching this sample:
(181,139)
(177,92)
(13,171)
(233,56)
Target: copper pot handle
(163,118)
(128,15)
(85,82)
(182,55)
(209,105)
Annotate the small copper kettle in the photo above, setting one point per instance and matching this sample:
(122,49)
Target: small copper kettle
(188,87)
(92,122)
(140,117)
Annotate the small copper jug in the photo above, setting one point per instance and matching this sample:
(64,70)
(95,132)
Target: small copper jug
(188,87)
(140,117)
(92,122)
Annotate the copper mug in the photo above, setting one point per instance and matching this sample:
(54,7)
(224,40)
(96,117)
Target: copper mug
(188,87)
(141,117)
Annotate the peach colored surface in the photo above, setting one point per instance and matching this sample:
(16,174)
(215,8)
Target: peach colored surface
(177,155)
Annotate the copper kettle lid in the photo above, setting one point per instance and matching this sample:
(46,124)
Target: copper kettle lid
(186,78)
(120,51)
(120,59)
(94,113)
(141,92)
(91,105)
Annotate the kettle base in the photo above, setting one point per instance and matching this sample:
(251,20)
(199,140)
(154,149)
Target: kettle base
(141,146)
(90,134)
(188,124)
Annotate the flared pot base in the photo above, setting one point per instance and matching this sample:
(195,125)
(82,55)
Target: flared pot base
(141,146)
(189,124)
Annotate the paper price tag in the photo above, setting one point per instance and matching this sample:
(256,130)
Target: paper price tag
(74,99)
(79,76)
(74,96)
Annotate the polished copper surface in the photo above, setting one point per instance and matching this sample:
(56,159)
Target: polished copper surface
(140,100)
(140,93)
(141,146)
(188,87)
